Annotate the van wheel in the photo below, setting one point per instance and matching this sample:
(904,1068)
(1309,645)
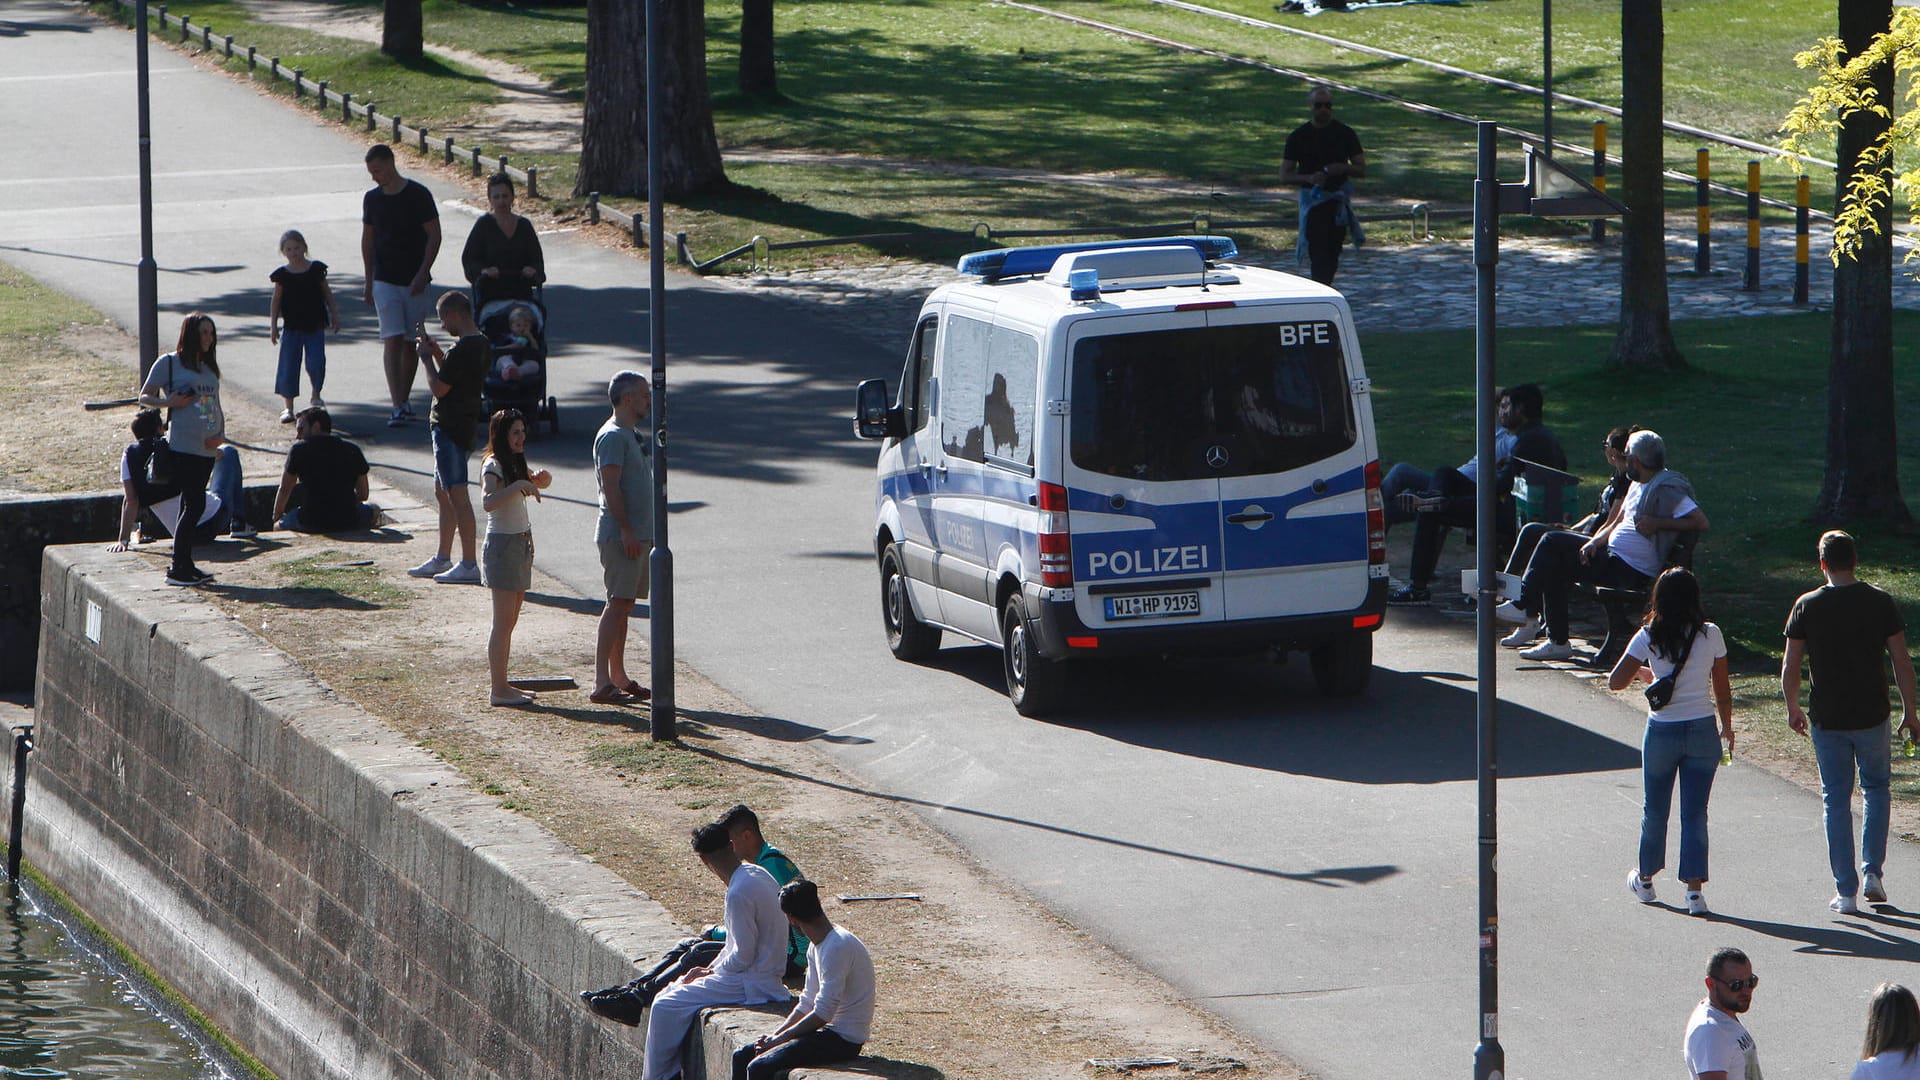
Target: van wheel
(907,636)
(1037,686)
(1343,665)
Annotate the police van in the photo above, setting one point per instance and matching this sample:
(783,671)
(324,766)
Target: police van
(1126,448)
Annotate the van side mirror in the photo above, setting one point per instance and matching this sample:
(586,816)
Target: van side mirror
(873,416)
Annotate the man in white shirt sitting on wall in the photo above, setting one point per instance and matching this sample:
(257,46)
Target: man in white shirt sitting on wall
(835,1012)
(748,969)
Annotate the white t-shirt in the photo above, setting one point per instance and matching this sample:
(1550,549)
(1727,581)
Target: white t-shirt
(1717,1042)
(1627,542)
(168,510)
(840,985)
(510,516)
(1693,691)
(1891,1065)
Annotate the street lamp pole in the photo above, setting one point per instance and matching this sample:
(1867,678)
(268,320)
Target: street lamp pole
(1489,1060)
(1546,69)
(148,275)
(660,601)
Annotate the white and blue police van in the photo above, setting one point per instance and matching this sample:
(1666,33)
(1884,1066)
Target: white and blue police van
(1129,448)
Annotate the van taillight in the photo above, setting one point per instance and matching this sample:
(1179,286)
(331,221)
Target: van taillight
(1056,545)
(1376,518)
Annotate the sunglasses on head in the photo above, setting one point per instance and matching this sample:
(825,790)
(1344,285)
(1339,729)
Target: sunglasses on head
(1737,985)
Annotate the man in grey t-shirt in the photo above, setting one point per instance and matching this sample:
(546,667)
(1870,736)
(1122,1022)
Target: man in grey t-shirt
(623,468)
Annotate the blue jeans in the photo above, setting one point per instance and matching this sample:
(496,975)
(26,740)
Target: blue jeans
(821,1047)
(1839,753)
(225,483)
(293,345)
(1402,478)
(1689,749)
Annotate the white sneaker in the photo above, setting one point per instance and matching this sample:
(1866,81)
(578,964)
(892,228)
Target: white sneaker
(1508,611)
(286,416)
(1642,889)
(1845,905)
(1548,650)
(433,567)
(462,573)
(1697,903)
(1874,889)
(1523,634)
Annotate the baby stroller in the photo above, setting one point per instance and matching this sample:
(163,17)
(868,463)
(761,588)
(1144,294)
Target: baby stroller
(528,393)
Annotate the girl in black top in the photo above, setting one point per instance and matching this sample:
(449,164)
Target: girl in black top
(304,300)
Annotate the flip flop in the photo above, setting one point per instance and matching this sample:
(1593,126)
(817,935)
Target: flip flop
(637,692)
(515,702)
(609,695)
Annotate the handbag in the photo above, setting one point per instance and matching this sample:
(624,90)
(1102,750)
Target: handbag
(160,464)
(1660,692)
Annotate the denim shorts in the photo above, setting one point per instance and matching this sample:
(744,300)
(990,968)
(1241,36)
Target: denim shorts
(449,461)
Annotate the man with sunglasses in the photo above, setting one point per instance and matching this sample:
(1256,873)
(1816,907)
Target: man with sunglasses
(1321,156)
(1718,1046)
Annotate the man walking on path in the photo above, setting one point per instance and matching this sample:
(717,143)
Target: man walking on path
(623,467)
(1320,157)
(1843,630)
(747,971)
(831,1020)
(1718,1046)
(399,238)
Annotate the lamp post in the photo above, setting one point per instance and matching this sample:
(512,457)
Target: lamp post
(1549,191)
(660,566)
(148,276)
(1546,70)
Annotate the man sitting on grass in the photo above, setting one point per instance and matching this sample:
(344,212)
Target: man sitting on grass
(331,474)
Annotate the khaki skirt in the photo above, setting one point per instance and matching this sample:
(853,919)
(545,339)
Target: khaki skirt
(506,561)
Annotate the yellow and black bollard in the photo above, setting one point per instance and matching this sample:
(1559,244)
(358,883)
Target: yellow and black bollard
(1600,172)
(1703,251)
(1800,215)
(1751,280)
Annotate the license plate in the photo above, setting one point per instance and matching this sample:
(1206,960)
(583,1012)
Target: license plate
(1152,605)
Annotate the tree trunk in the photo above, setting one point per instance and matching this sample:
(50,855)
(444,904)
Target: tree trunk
(1863,470)
(613,140)
(756,50)
(402,30)
(1645,340)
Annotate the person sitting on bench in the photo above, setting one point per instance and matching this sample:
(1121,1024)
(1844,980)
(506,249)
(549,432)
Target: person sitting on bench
(1605,509)
(1453,503)
(1658,507)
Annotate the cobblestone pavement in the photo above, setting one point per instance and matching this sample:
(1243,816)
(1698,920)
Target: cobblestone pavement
(1400,286)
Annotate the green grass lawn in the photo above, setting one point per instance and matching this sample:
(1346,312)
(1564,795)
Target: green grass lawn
(1746,423)
(973,83)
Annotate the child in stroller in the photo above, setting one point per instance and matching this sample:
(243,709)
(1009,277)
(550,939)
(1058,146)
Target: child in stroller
(518,378)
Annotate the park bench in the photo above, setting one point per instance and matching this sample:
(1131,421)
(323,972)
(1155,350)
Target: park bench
(1624,605)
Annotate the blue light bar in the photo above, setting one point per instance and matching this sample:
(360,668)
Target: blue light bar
(1021,261)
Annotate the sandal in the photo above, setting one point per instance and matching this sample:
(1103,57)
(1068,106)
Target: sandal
(634,690)
(510,701)
(609,695)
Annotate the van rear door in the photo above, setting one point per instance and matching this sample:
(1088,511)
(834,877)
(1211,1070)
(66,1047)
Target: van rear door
(1293,492)
(1143,501)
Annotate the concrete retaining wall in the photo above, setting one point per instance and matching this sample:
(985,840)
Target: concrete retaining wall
(338,900)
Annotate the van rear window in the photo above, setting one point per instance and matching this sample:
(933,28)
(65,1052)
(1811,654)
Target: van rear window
(1209,402)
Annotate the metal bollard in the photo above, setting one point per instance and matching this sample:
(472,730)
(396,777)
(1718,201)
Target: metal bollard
(273,66)
(346,107)
(593,208)
(320,91)
(476,161)
(22,746)
(502,167)
(1702,255)
(1800,200)
(229,41)
(370,114)
(163,16)
(1600,172)
(423,140)
(299,74)
(449,143)
(206,38)
(1751,281)
(396,131)
(186,29)
(253,59)
(533,181)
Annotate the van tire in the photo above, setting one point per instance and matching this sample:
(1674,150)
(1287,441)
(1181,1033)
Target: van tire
(907,636)
(1342,666)
(1036,685)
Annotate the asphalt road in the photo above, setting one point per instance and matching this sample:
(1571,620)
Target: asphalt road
(1304,869)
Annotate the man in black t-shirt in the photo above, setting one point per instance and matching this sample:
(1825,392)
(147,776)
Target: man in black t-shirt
(1321,157)
(1844,630)
(399,238)
(332,476)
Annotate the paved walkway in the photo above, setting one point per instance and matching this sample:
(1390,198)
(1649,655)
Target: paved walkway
(1397,286)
